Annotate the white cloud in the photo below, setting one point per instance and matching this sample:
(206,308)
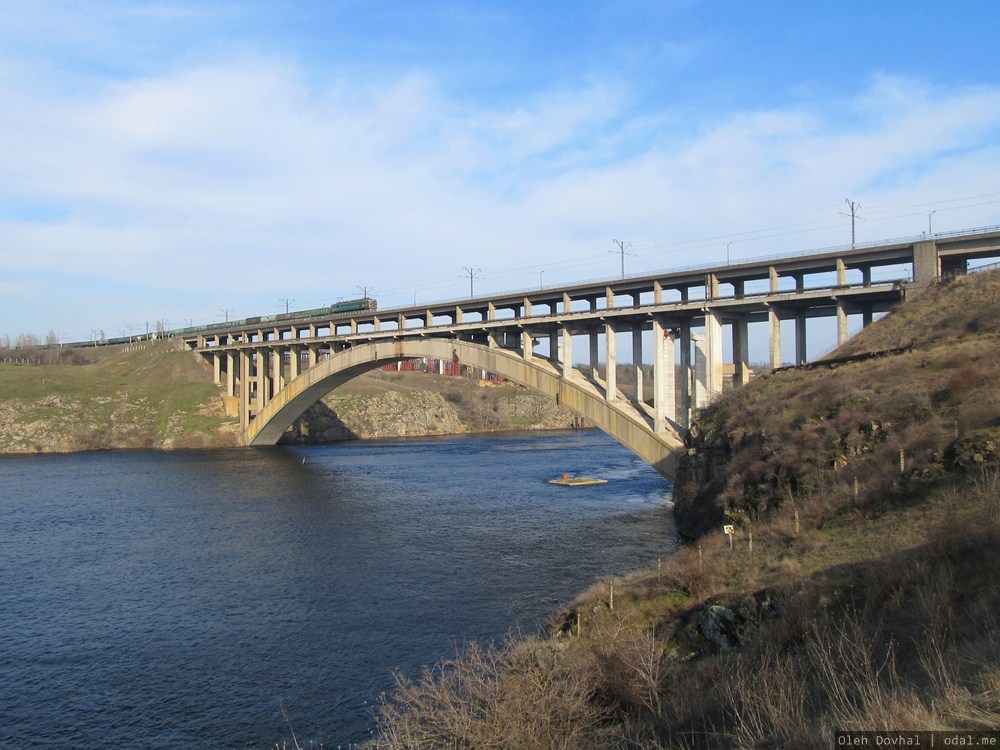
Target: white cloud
(239,183)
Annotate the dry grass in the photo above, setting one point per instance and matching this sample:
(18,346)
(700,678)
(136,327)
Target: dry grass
(902,635)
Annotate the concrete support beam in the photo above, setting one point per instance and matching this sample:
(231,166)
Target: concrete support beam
(866,276)
(594,353)
(527,345)
(609,298)
(491,311)
(245,379)
(713,355)
(313,355)
(711,286)
(685,375)
(458,315)
(277,370)
(774,347)
(741,351)
(230,374)
(566,356)
(637,363)
(610,363)
(526,308)
(657,293)
(664,396)
(294,362)
(841,272)
(555,353)
(263,379)
(772,274)
(567,304)
(217,368)
(800,337)
(700,396)
(841,323)
(867,316)
(926,265)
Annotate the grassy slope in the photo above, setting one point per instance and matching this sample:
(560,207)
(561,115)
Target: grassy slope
(868,599)
(146,396)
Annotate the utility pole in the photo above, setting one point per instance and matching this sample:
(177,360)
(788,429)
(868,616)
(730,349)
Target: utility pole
(365,290)
(727,251)
(929,232)
(286,303)
(622,247)
(473,272)
(854,215)
(225,312)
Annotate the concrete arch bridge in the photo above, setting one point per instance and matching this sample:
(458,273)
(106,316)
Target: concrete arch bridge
(686,320)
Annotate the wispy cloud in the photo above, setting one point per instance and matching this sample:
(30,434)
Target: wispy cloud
(251,177)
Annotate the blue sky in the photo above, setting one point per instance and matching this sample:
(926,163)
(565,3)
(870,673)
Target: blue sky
(172,160)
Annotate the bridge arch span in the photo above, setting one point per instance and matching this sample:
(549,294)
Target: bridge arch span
(617,418)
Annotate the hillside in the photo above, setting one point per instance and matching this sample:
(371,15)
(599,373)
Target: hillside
(859,589)
(154,395)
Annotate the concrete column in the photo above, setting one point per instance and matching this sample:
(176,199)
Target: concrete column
(567,303)
(774,323)
(526,305)
(713,355)
(841,272)
(594,347)
(700,372)
(313,355)
(263,384)
(610,363)
(741,350)
(800,337)
(277,365)
(926,266)
(527,345)
(554,348)
(739,288)
(230,374)
(244,389)
(866,276)
(217,367)
(663,377)
(841,322)
(685,374)
(867,316)
(711,286)
(294,362)
(657,293)
(458,315)
(566,357)
(772,273)
(491,311)
(609,297)
(637,363)
(800,282)
(376,323)
(428,318)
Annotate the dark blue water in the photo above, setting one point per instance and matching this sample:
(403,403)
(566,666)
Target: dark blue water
(187,599)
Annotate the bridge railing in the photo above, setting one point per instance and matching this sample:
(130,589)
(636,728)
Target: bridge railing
(531,291)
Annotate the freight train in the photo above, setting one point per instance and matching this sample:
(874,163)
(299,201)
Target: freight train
(337,309)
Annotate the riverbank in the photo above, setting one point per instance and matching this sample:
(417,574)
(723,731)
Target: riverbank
(841,570)
(156,395)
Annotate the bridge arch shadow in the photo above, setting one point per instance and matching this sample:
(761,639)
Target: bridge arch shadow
(617,418)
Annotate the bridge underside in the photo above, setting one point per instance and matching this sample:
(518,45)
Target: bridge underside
(617,417)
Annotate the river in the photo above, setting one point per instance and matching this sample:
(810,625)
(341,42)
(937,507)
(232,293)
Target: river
(220,599)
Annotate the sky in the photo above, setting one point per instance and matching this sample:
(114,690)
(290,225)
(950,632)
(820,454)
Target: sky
(185,162)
